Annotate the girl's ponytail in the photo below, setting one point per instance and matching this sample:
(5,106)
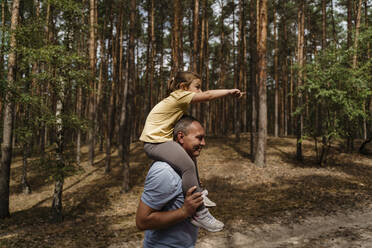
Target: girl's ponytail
(170,84)
(185,77)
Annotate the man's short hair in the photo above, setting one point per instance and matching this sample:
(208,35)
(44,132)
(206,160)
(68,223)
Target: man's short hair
(183,125)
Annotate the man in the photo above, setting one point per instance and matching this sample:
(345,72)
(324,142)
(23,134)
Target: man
(163,211)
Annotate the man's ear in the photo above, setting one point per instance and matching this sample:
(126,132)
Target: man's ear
(180,137)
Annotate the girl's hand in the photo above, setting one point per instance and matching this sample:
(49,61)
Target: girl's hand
(237,93)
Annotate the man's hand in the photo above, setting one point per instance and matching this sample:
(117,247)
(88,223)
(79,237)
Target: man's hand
(237,93)
(192,202)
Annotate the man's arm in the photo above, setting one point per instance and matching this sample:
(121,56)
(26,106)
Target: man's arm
(149,218)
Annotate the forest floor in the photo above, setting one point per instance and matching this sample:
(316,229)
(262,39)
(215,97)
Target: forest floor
(285,204)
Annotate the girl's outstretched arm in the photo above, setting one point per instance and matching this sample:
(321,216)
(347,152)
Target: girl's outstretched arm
(214,94)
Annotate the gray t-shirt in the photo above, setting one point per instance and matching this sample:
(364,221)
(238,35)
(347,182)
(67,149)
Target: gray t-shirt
(163,192)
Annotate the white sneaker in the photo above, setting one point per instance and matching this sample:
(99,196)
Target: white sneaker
(207,202)
(205,220)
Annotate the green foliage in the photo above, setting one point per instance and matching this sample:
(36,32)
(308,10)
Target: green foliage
(55,166)
(335,93)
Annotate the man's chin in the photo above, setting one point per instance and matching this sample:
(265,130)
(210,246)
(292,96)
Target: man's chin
(196,153)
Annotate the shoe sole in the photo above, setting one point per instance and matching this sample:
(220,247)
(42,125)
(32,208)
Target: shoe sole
(195,223)
(209,205)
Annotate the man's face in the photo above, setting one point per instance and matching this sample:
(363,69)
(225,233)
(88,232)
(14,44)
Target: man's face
(194,141)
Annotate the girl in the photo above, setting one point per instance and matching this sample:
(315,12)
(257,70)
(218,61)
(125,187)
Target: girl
(158,137)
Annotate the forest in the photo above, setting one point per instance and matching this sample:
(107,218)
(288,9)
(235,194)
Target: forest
(84,74)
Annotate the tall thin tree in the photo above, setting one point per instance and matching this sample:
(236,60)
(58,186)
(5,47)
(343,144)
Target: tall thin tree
(276,77)
(300,61)
(260,158)
(253,75)
(92,64)
(6,146)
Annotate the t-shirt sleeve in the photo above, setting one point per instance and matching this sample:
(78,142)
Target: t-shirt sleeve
(160,188)
(183,97)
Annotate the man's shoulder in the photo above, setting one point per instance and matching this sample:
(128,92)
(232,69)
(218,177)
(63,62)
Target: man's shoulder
(162,184)
(161,174)
(160,168)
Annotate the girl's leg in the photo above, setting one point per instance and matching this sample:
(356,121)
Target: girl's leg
(172,153)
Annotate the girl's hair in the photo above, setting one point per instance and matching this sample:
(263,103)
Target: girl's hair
(185,77)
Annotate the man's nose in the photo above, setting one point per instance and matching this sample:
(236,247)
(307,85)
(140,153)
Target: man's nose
(202,142)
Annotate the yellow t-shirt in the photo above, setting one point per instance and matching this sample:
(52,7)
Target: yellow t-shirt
(162,118)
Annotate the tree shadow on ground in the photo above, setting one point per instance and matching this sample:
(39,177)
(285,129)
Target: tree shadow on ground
(287,199)
(84,201)
(40,176)
(32,229)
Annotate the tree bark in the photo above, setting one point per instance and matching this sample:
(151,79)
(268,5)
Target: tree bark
(253,76)
(241,66)
(355,57)
(260,158)
(150,54)
(6,146)
(276,78)
(300,61)
(110,116)
(349,22)
(131,77)
(25,154)
(176,37)
(58,186)
(92,64)
(202,60)
(356,37)
(195,36)
(284,76)
(3,30)
(324,24)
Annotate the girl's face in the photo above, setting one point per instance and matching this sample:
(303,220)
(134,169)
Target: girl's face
(195,86)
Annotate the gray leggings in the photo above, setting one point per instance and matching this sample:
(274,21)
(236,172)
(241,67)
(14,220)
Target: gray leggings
(173,153)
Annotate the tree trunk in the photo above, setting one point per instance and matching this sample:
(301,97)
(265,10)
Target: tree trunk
(222,75)
(241,67)
(195,36)
(6,146)
(110,116)
(300,60)
(253,76)
(284,97)
(324,24)
(100,96)
(58,186)
(3,30)
(79,105)
(260,158)
(131,77)
(176,37)
(92,64)
(355,58)
(333,25)
(150,55)
(25,185)
(202,61)
(276,78)
(349,22)
(357,27)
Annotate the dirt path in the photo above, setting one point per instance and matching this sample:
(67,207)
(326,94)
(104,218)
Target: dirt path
(284,205)
(350,230)
(353,229)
